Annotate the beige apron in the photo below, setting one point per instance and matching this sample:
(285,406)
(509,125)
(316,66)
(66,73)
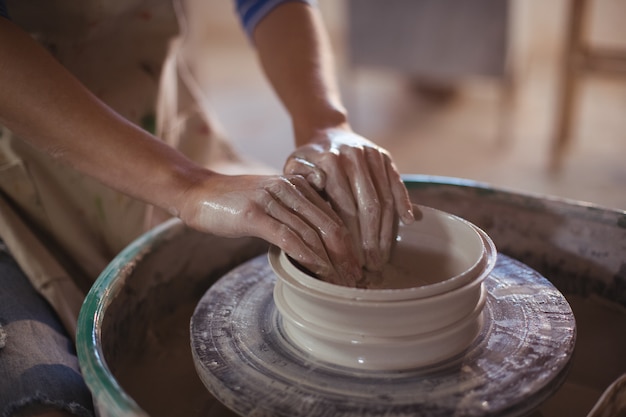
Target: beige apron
(62,227)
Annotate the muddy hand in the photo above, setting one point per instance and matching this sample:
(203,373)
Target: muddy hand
(363,186)
(283,210)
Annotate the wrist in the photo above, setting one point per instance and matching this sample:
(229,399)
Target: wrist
(332,118)
(186,184)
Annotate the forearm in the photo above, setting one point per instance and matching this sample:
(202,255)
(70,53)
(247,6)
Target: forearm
(50,109)
(295,53)
(44,104)
(358,178)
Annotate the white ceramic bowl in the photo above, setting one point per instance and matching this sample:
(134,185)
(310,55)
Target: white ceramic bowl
(432,313)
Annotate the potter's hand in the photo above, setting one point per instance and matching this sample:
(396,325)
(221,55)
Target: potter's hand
(363,186)
(283,210)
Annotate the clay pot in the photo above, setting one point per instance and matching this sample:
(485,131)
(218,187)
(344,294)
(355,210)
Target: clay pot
(426,308)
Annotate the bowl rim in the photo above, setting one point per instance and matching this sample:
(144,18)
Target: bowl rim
(285,269)
(380,303)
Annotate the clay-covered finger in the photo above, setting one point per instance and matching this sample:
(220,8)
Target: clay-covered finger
(339,194)
(285,229)
(368,204)
(389,218)
(310,209)
(335,235)
(401,198)
(301,166)
(291,240)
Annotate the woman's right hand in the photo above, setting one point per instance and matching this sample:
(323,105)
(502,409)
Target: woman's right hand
(283,210)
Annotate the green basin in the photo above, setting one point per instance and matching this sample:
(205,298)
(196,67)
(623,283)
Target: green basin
(133,329)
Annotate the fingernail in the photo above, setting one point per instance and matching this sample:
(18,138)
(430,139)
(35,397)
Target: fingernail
(408,217)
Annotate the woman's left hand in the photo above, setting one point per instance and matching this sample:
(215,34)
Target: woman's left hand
(362,184)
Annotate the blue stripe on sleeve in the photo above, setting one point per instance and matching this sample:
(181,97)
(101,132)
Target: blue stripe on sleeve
(251,12)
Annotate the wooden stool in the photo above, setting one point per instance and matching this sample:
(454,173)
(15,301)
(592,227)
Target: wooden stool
(579,59)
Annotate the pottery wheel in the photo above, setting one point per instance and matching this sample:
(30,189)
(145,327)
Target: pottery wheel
(518,360)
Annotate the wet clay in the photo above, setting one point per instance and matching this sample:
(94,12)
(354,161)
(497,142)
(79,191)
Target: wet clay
(414,266)
(162,378)
(599,357)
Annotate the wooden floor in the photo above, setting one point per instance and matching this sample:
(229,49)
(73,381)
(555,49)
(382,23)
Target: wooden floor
(467,136)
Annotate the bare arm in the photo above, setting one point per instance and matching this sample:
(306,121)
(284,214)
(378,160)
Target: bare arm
(297,58)
(356,176)
(44,104)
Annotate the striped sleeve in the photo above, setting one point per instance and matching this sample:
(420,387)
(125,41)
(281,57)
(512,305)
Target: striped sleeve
(251,12)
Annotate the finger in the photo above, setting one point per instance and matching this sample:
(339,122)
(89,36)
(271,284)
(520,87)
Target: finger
(402,201)
(293,244)
(300,166)
(417,213)
(318,218)
(297,238)
(339,193)
(368,204)
(389,218)
(334,233)
(303,187)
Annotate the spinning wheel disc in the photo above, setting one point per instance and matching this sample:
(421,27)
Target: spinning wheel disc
(519,359)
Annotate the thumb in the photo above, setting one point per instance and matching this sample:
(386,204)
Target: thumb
(314,176)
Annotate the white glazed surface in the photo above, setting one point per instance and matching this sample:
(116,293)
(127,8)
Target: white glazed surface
(393,328)
(408,316)
(378,352)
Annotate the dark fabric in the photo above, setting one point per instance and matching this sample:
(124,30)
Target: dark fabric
(38,364)
(4,12)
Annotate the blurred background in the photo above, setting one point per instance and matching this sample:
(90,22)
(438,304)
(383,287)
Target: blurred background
(528,95)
